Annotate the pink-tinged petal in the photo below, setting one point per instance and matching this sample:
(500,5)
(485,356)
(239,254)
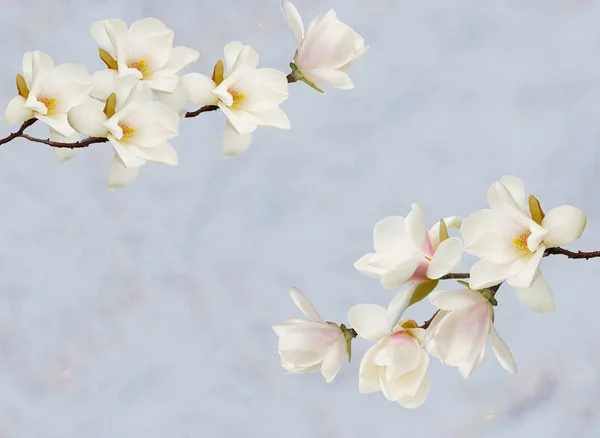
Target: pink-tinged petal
(389,237)
(416,230)
(538,297)
(434,232)
(565,223)
(429,338)
(446,257)
(455,299)
(369,320)
(401,351)
(399,304)
(502,352)
(234,143)
(198,89)
(516,188)
(411,402)
(16,111)
(329,77)
(304,305)
(368,376)
(462,334)
(485,274)
(293,20)
(525,269)
(333,360)
(64,155)
(120,176)
(400,274)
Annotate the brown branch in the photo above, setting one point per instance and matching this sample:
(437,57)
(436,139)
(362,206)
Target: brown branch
(456,276)
(199,111)
(26,124)
(76,145)
(572,255)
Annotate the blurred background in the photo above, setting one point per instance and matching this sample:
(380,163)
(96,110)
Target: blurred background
(146,311)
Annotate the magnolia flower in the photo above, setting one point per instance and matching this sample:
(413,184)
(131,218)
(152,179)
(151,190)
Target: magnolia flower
(144,51)
(407,252)
(136,127)
(511,239)
(249,97)
(459,332)
(47,93)
(396,364)
(326,51)
(306,346)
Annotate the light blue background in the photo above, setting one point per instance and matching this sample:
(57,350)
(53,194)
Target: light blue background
(146,312)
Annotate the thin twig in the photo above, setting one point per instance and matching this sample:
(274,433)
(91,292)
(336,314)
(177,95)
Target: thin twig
(572,255)
(199,111)
(26,124)
(57,144)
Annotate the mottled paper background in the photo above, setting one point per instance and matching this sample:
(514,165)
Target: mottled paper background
(146,312)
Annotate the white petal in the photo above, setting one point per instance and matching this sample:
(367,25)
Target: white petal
(333,360)
(177,100)
(119,175)
(329,77)
(525,269)
(372,265)
(411,402)
(434,232)
(304,305)
(104,84)
(389,237)
(565,223)
(485,274)
(162,153)
(446,257)
(181,58)
(368,376)
(409,383)
(455,299)
(98,32)
(293,19)
(483,222)
(41,64)
(467,369)
(64,154)
(88,118)
(538,297)
(58,122)
(16,112)
(516,188)
(243,122)
(400,273)
(198,88)
(499,196)
(369,320)
(416,230)
(234,143)
(273,118)
(399,304)
(502,352)
(126,153)
(233,51)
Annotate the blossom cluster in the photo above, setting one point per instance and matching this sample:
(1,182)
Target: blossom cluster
(510,240)
(137,102)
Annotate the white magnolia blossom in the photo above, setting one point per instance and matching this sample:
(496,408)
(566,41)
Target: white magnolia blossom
(144,51)
(249,97)
(47,93)
(397,364)
(511,237)
(407,252)
(326,50)
(306,346)
(458,335)
(137,128)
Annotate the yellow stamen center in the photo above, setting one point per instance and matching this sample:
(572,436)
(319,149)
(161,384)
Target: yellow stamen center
(521,241)
(49,103)
(140,66)
(127,131)
(238,98)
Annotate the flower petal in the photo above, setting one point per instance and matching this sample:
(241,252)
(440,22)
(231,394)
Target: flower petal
(304,305)
(485,274)
(162,153)
(98,31)
(502,352)
(434,232)
(273,118)
(400,273)
(330,77)
(411,402)
(399,304)
(243,122)
(455,299)
(293,20)
(198,89)
(369,320)
(516,188)
(64,155)
(16,111)
(525,269)
(177,100)
(538,297)
(565,223)
(119,175)
(368,375)
(104,84)
(416,230)
(234,143)
(88,118)
(389,237)
(333,360)
(446,257)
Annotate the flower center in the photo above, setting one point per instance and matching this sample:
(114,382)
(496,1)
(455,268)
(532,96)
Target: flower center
(49,103)
(238,98)
(521,241)
(140,66)
(127,131)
